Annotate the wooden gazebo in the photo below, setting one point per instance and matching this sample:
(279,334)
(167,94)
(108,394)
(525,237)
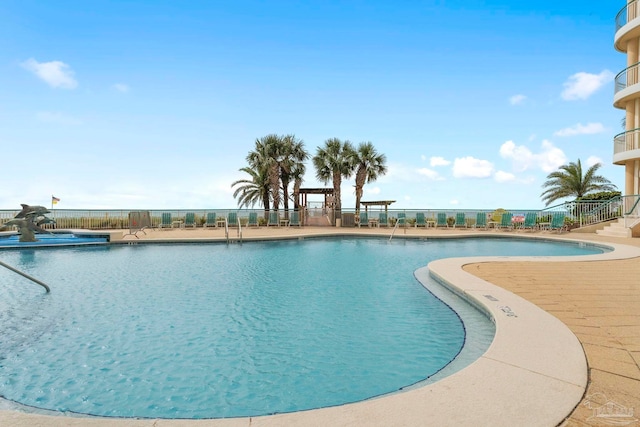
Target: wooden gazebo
(384,203)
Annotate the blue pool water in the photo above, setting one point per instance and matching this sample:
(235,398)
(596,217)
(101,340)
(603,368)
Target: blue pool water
(213,330)
(54,239)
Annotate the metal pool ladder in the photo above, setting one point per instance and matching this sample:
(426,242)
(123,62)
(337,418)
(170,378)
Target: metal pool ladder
(33,279)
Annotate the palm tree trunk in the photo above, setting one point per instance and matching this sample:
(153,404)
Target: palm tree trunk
(361,176)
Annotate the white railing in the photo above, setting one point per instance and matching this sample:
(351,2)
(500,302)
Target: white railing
(626,141)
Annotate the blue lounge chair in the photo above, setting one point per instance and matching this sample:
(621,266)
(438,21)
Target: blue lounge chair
(420,220)
(273,219)
(402,219)
(382,219)
(294,219)
(165,222)
(189,220)
(557,222)
(506,221)
(363,219)
(211,220)
(530,221)
(461,220)
(481,220)
(441,220)
(232,219)
(253,220)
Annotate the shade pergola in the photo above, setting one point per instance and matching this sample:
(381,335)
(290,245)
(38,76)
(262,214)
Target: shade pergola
(304,192)
(384,203)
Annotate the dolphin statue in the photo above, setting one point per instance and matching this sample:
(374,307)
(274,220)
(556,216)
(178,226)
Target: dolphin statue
(31,210)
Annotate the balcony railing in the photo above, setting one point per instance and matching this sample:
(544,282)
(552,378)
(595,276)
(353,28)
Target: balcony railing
(627,77)
(628,13)
(626,141)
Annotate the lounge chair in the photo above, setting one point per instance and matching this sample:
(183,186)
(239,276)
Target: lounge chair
(441,220)
(481,220)
(420,221)
(530,221)
(382,219)
(232,219)
(165,222)
(273,219)
(294,219)
(210,221)
(189,220)
(253,219)
(363,219)
(461,220)
(557,222)
(506,221)
(402,219)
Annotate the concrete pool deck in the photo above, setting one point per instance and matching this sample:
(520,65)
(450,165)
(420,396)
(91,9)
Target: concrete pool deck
(534,373)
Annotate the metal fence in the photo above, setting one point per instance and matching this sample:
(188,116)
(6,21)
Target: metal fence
(576,214)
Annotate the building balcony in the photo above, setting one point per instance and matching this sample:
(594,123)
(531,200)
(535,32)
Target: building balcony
(626,86)
(627,25)
(626,146)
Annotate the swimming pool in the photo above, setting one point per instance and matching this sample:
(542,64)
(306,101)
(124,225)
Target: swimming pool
(53,239)
(110,340)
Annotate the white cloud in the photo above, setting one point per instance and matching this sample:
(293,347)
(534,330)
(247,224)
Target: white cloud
(57,118)
(593,160)
(580,129)
(517,99)
(121,87)
(582,85)
(54,73)
(502,176)
(438,161)
(431,174)
(470,167)
(454,202)
(549,158)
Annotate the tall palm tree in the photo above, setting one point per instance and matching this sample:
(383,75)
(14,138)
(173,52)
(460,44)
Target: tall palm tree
(369,165)
(265,155)
(568,181)
(334,162)
(256,190)
(290,162)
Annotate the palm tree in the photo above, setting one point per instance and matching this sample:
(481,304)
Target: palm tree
(264,156)
(369,166)
(334,162)
(568,181)
(253,191)
(291,165)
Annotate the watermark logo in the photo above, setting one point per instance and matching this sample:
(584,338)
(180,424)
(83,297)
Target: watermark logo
(608,412)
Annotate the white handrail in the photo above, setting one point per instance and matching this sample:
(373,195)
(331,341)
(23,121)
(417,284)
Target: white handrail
(394,229)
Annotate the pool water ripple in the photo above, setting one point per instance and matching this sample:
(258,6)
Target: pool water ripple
(203,331)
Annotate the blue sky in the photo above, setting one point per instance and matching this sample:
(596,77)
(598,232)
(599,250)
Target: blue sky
(155,104)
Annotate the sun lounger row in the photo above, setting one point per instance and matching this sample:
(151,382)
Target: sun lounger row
(231,220)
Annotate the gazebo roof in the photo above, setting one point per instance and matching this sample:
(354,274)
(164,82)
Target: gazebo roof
(316,191)
(378,203)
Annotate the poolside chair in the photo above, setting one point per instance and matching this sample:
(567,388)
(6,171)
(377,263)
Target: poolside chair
(420,221)
(506,221)
(210,221)
(165,221)
(481,220)
(363,219)
(530,221)
(441,220)
(273,219)
(189,220)
(557,222)
(232,219)
(294,219)
(461,220)
(253,219)
(382,219)
(402,219)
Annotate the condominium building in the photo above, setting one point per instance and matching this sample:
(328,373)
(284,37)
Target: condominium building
(626,145)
